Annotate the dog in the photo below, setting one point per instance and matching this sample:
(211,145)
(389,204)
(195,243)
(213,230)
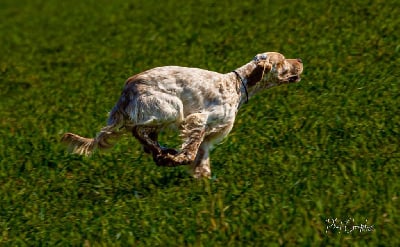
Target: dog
(202,104)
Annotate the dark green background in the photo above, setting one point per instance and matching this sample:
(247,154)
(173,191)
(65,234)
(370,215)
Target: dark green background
(298,155)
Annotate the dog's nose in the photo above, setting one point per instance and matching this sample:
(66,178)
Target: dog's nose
(299,60)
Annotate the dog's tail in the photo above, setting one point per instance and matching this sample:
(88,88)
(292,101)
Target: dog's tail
(105,138)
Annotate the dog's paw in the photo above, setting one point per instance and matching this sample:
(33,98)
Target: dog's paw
(164,159)
(170,160)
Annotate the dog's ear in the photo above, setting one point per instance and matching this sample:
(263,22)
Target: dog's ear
(255,76)
(263,67)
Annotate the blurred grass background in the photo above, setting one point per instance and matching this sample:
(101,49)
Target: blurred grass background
(299,155)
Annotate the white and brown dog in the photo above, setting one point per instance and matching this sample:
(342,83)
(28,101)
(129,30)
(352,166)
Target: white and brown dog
(202,103)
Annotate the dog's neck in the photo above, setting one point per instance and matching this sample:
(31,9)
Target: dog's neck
(246,72)
(248,75)
(243,86)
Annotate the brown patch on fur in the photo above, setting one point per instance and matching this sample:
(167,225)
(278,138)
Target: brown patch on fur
(257,74)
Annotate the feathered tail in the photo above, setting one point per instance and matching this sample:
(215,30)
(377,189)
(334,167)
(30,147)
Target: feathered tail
(105,138)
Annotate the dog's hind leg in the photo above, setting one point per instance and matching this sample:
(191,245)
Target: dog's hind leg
(148,137)
(193,132)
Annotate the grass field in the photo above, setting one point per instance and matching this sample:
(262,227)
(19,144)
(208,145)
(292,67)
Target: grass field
(299,156)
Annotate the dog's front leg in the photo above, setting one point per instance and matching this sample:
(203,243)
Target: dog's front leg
(200,168)
(193,132)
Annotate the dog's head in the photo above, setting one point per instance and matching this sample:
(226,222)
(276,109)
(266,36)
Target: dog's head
(274,69)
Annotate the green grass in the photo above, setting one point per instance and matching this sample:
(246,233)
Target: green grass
(298,155)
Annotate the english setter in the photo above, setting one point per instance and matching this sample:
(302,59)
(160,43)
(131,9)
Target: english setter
(201,103)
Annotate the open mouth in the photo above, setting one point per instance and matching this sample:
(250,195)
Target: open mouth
(294,78)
